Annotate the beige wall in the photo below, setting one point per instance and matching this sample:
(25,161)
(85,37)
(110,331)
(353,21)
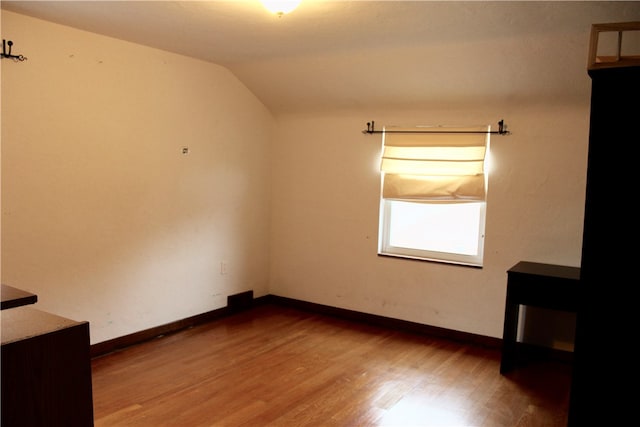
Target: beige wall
(103,216)
(326,196)
(107,221)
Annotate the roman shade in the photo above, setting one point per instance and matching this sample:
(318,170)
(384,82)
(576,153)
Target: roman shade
(434,164)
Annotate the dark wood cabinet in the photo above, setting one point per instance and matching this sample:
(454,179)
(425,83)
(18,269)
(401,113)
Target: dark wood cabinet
(46,370)
(606,322)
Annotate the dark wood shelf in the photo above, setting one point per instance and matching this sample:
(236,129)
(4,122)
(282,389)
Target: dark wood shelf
(555,287)
(14,297)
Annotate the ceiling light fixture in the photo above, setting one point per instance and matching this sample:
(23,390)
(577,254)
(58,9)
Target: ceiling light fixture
(280,7)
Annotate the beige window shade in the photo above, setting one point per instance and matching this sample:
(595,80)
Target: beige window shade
(442,164)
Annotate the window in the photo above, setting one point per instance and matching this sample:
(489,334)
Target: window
(433,193)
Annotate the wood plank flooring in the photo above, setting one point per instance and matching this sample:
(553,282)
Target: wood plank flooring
(277,366)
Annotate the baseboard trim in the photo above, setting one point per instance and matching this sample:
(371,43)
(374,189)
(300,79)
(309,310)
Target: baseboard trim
(122,342)
(388,322)
(235,304)
(245,301)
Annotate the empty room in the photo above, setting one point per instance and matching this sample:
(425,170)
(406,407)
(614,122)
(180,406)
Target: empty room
(345,213)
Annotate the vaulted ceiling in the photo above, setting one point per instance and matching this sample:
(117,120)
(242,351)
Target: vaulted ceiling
(329,55)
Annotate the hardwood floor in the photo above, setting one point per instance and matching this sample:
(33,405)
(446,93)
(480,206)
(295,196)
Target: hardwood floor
(277,366)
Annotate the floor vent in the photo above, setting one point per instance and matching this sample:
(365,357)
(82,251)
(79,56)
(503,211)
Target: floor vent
(240,301)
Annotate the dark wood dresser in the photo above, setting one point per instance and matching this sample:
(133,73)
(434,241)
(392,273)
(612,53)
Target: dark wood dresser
(46,366)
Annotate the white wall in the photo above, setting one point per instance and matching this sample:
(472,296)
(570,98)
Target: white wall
(103,217)
(106,220)
(326,198)
(326,185)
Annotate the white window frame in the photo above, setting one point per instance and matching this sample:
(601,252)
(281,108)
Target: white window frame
(446,256)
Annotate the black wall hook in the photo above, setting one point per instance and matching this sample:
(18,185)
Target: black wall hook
(7,53)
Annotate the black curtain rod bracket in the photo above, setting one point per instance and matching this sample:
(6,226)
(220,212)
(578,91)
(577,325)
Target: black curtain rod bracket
(7,53)
(502,130)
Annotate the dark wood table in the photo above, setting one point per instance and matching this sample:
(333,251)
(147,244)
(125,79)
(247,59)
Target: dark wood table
(13,297)
(540,285)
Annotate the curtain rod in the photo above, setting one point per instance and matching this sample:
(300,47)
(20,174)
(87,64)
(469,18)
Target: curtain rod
(501,130)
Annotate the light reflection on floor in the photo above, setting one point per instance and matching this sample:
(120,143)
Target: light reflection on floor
(414,412)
